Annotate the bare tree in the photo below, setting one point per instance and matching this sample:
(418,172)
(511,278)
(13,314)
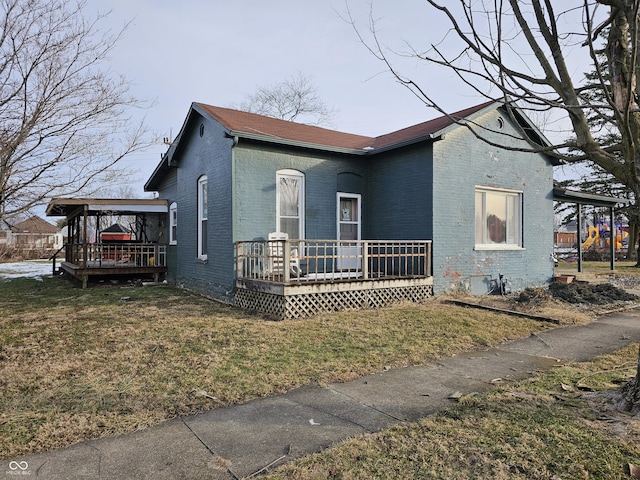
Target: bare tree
(294,99)
(525,54)
(65,118)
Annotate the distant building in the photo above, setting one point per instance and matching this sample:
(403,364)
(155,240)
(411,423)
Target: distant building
(566,235)
(31,238)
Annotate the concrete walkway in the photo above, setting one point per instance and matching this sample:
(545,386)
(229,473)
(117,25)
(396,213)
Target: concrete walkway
(239,441)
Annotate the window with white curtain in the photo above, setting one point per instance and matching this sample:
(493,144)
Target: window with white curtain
(290,203)
(498,218)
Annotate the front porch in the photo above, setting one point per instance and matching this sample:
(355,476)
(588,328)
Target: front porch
(330,275)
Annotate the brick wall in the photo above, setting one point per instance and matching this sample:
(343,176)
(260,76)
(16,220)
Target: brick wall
(210,155)
(461,163)
(255,168)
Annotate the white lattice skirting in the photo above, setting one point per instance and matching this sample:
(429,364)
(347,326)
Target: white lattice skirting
(305,304)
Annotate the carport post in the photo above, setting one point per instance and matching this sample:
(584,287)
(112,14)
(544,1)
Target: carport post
(612,239)
(579,236)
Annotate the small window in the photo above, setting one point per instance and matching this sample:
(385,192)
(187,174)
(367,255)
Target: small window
(202,129)
(173,223)
(498,218)
(500,123)
(203,213)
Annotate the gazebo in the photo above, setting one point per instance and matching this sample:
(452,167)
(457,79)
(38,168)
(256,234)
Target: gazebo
(87,253)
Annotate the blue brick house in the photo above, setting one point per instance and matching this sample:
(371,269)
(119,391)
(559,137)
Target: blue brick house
(293,219)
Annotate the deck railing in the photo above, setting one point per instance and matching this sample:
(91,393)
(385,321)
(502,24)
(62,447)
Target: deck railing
(116,255)
(298,261)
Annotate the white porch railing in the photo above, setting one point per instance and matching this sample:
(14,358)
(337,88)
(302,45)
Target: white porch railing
(298,261)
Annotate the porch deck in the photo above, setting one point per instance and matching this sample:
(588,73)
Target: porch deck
(298,278)
(97,259)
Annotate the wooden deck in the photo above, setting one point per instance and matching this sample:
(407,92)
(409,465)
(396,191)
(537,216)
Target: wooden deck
(83,273)
(295,278)
(99,259)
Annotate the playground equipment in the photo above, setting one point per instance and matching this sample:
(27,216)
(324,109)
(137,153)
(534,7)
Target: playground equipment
(600,237)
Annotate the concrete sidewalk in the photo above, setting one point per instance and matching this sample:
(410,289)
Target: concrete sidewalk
(238,441)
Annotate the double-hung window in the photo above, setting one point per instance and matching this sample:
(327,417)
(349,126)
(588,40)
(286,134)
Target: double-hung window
(202,217)
(498,218)
(290,203)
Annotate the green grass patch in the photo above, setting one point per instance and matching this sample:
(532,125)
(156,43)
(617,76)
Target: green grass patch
(623,267)
(545,427)
(78,364)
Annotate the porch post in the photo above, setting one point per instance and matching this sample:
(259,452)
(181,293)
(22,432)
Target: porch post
(365,260)
(286,262)
(238,260)
(84,238)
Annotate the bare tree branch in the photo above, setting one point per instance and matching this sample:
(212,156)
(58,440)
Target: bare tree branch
(65,118)
(295,98)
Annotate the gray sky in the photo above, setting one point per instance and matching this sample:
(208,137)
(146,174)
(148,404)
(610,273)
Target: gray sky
(217,52)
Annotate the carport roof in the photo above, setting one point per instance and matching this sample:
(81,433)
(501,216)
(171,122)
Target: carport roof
(561,194)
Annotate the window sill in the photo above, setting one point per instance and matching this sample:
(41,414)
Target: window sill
(201,260)
(499,247)
(173,243)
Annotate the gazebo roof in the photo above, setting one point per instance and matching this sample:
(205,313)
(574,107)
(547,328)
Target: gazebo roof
(69,207)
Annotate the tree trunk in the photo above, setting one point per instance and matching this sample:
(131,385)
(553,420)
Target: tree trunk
(631,392)
(634,244)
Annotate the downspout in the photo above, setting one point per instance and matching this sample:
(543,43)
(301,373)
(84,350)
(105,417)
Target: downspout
(234,139)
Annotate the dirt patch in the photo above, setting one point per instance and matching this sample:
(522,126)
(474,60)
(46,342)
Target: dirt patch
(587,293)
(569,303)
(608,416)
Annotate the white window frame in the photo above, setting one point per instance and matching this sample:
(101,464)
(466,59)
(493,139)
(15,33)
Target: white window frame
(173,223)
(517,242)
(203,214)
(340,221)
(288,173)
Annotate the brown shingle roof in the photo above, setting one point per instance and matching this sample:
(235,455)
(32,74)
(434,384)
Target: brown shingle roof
(253,124)
(35,224)
(280,131)
(425,129)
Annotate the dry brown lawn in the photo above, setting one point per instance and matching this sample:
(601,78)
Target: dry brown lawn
(78,364)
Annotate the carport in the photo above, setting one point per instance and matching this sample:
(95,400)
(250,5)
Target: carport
(561,194)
